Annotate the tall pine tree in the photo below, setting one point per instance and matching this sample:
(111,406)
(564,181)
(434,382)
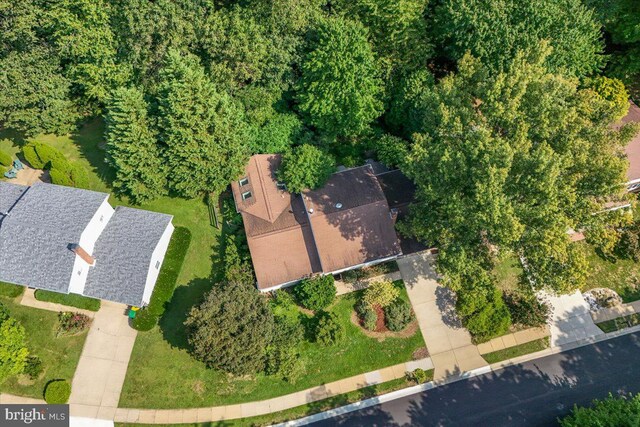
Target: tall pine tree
(132,147)
(202,128)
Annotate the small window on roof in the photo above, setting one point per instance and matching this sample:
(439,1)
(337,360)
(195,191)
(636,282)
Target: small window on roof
(281,185)
(246,195)
(243,181)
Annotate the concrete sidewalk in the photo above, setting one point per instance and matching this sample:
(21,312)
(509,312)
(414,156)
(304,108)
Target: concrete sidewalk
(98,380)
(449,344)
(571,320)
(252,409)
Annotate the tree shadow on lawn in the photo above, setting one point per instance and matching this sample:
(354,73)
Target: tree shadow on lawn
(89,138)
(178,308)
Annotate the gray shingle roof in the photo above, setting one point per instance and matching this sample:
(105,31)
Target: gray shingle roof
(123,255)
(9,195)
(35,235)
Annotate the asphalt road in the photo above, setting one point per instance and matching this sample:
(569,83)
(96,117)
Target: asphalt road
(534,393)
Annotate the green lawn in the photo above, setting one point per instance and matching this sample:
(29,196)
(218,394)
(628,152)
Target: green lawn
(620,323)
(184,382)
(306,409)
(507,273)
(59,355)
(621,275)
(71,300)
(518,350)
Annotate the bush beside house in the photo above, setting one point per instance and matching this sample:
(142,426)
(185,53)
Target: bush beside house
(147,317)
(316,293)
(62,172)
(13,347)
(5,159)
(71,300)
(398,315)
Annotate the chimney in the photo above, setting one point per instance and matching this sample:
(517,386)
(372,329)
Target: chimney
(393,214)
(77,249)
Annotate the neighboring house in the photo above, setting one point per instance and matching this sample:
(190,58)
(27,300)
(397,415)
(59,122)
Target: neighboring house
(633,150)
(344,225)
(70,240)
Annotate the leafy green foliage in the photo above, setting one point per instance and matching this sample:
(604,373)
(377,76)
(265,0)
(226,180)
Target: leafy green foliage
(5,159)
(316,293)
(282,356)
(71,300)
(495,31)
(392,151)
(526,309)
(57,392)
(231,329)
(33,367)
(41,156)
(380,293)
(621,411)
(613,92)
(306,167)
(13,350)
(628,245)
(398,315)
(329,330)
(340,89)
(202,128)
(72,323)
(132,147)
(147,317)
(419,376)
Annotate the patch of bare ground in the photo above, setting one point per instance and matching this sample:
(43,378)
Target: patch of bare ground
(420,353)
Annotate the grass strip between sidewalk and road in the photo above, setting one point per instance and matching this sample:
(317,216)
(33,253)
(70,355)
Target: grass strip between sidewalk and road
(516,351)
(306,409)
(620,323)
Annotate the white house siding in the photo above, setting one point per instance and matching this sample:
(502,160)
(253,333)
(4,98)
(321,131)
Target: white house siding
(87,241)
(157,258)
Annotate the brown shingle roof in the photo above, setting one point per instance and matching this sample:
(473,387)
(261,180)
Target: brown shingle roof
(286,247)
(633,148)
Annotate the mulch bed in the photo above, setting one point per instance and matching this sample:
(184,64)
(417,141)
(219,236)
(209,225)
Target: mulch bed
(407,332)
(380,326)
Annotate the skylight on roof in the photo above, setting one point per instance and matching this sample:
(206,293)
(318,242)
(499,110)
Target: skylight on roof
(243,181)
(246,195)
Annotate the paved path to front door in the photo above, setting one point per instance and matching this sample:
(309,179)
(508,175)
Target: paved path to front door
(571,320)
(450,347)
(102,367)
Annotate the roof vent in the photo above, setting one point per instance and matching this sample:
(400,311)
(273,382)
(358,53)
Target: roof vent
(310,210)
(338,205)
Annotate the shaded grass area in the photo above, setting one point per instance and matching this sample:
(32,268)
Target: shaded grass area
(187,383)
(72,300)
(620,323)
(518,350)
(59,355)
(507,273)
(309,408)
(621,275)
(10,290)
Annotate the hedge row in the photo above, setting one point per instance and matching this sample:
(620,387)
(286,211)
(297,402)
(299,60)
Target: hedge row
(148,317)
(5,159)
(43,156)
(72,300)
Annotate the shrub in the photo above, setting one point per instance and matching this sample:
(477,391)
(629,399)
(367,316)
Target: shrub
(231,329)
(72,323)
(147,317)
(370,320)
(398,315)
(306,167)
(57,392)
(526,309)
(629,244)
(5,159)
(392,151)
(418,375)
(79,176)
(59,177)
(42,156)
(282,357)
(33,367)
(491,321)
(72,300)
(13,349)
(329,330)
(316,293)
(237,268)
(30,155)
(10,290)
(380,293)
(612,411)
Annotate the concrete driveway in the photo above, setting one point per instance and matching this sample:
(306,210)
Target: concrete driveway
(450,347)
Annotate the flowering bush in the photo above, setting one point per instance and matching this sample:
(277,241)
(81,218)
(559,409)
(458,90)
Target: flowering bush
(72,323)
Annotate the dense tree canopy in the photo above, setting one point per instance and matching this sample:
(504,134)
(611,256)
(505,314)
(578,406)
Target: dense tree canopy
(495,30)
(511,160)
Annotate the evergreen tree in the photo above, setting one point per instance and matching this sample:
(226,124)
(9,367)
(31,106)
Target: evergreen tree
(132,147)
(201,127)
